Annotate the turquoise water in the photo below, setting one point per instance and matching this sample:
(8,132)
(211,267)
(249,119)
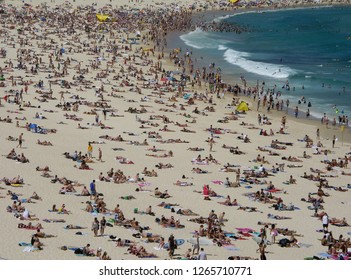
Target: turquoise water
(310,48)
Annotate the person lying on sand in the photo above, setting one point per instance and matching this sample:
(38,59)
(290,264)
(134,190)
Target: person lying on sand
(70,226)
(30,226)
(338,222)
(44,235)
(140,252)
(46,168)
(44,143)
(182,184)
(160,194)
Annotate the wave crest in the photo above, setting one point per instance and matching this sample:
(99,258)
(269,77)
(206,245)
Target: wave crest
(261,68)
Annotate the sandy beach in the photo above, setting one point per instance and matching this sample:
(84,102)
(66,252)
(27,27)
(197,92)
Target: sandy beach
(80,97)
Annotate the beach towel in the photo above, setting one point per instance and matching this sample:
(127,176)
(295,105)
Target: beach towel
(324,255)
(244,229)
(273,190)
(200,162)
(217,182)
(231,248)
(186,96)
(144,184)
(54,220)
(24,244)
(16,185)
(29,249)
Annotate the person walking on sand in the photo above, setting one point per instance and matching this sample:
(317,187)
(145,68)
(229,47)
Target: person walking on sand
(333,141)
(20,140)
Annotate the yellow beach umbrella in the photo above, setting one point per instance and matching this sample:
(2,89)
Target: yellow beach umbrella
(242,107)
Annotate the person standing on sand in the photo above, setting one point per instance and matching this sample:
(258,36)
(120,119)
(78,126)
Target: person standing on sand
(202,255)
(100,154)
(211,142)
(237,180)
(95,227)
(325,221)
(264,233)
(333,142)
(20,140)
(92,190)
(196,246)
(172,245)
(262,250)
(102,226)
(104,112)
(90,150)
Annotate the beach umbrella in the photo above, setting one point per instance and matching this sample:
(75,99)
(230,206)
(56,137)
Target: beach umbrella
(242,107)
(233,1)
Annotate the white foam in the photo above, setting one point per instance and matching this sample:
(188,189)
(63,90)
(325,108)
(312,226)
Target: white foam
(222,48)
(260,68)
(198,39)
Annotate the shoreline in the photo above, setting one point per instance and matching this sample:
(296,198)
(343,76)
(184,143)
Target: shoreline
(211,15)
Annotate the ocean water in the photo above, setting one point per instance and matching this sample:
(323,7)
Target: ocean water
(310,48)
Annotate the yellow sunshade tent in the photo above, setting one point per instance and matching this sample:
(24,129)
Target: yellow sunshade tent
(242,107)
(102,17)
(233,1)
